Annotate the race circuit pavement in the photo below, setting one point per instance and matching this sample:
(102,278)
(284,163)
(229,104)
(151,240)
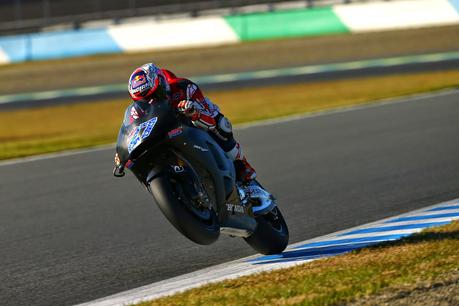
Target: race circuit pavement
(70,232)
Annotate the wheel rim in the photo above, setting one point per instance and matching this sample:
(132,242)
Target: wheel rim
(200,212)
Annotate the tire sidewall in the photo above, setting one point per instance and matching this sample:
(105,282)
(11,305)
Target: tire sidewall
(180,217)
(266,239)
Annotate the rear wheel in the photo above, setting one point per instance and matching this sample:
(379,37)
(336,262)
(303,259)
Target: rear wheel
(197,223)
(271,235)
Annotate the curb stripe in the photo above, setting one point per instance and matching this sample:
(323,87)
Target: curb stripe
(299,253)
(424,217)
(395,232)
(351,240)
(311,253)
(446,219)
(445,208)
(394,228)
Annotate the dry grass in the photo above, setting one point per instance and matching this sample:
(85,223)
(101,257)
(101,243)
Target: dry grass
(49,129)
(425,257)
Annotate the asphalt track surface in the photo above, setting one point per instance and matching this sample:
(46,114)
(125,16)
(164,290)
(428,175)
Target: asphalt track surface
(70,232)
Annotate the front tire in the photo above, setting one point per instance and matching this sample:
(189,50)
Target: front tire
(271,235)
(193,226)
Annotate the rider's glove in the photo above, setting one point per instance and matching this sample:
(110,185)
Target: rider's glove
(187,108)
(118,171)
(197,115)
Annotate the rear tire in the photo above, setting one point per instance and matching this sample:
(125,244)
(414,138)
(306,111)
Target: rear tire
(194,227)
(271,235)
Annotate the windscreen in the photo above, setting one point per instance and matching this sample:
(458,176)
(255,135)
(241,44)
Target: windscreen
(141,121)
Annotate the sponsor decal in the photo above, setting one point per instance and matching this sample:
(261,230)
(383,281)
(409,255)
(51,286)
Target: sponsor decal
(178,169)
(235,208)
(175,132)
(129,164)
(138,80)
(200,148)
(141,132)
(134,113)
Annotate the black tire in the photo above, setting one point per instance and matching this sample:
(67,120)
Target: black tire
(271,235)
(198,230)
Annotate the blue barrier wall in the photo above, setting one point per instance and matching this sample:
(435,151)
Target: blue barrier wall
(42,46)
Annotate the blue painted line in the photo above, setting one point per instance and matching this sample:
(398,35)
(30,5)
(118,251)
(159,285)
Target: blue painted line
(381,238)
(330,248)
(426,217)
(444,208)
(285,260)
(313,252)
(394,228)
(455,4)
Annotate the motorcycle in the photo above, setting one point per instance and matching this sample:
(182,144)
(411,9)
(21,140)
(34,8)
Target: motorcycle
(193,181)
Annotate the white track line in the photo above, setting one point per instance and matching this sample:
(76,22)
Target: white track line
(446,219)
(294,255)
(56,155)
(376,103)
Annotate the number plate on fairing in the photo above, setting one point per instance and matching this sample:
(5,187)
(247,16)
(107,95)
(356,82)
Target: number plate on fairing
(140,133)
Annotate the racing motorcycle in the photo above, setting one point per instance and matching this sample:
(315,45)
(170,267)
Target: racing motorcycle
(193,181)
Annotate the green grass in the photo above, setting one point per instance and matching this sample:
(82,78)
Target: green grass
(422,258)
(50,129)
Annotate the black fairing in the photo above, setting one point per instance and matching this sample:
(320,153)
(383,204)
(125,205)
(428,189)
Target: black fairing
(160,140)
(149,154)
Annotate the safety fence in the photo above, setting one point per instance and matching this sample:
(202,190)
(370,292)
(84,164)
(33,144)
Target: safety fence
(21,16)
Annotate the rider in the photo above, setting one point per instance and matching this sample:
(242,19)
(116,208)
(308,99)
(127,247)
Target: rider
(150,83)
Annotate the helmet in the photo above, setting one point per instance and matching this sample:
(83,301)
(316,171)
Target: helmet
(148,82)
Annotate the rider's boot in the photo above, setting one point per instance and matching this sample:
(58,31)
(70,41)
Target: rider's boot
(245,173)
(260,199)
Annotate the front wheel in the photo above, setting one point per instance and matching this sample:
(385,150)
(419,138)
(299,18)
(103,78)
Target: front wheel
(197,224)
(271,235)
